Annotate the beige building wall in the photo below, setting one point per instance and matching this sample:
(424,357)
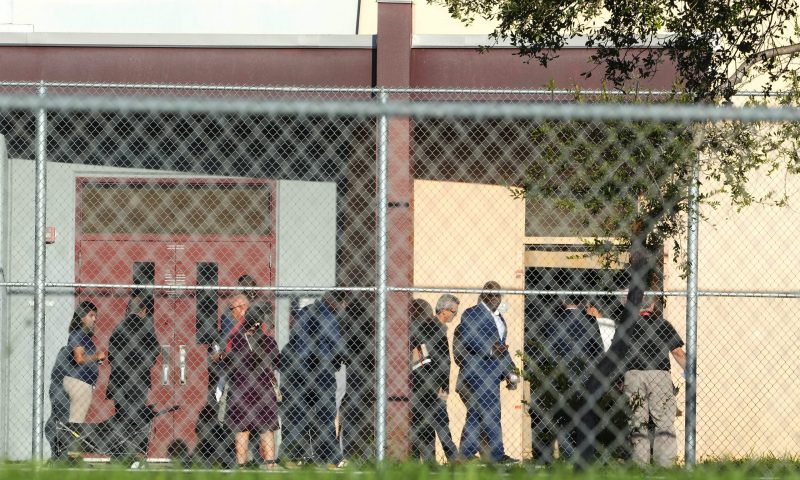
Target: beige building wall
(748,348)
(436,20)
(427,20)
(368,18)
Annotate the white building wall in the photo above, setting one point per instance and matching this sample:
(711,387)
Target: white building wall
(181,16)
(306,242)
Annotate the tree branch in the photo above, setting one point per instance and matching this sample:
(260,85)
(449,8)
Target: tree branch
(762,56)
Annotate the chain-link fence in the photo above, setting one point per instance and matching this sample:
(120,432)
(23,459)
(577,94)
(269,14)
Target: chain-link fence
(223,275)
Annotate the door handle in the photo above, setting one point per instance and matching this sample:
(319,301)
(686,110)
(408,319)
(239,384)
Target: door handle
(165,364)
(182,360)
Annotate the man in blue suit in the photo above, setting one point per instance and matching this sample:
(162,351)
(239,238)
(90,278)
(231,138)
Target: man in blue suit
(482,353)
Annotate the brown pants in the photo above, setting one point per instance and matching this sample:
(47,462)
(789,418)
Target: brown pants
(80,397)
(650,396)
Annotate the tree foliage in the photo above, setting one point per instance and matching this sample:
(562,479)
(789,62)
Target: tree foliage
(638,173)
(715,45)
(631,179)
(625,182)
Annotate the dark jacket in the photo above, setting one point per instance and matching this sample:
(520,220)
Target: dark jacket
(315,348)
(132,352)
(569,341)
(435,375)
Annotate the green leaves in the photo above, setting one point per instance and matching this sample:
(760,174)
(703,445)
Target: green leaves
(705,40)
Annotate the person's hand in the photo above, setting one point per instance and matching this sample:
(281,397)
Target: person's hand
(499,348)
(100,356)
(512,380)
(217,356)
(442,394)
(620,385)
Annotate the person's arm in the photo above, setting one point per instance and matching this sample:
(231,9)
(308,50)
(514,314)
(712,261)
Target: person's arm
(680,356)
(414,336)
(276,358)
(675,344)
(81,358)
(340,353)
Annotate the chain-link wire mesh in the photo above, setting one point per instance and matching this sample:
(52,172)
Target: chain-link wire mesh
(233,276)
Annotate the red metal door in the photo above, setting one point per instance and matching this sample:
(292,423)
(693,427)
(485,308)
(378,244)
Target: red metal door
(116,262)
(163,232)
(230,260)
(180,376)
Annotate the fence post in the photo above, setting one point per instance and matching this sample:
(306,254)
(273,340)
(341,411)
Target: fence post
(690,444)
(39,279)
(381,300)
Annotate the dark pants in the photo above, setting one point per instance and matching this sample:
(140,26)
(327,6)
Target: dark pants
(59,402)
(428,419)
(483,417)
(551,421)
(294,425)
(586,428)
(310,414)
(130,401)
(357,416)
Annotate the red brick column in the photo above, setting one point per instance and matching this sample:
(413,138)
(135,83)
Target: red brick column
(394,70)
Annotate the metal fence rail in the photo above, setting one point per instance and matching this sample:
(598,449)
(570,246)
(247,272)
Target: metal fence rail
(343,220)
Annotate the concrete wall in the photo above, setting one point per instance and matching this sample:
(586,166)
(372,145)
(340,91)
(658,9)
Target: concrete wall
(306,242)
(306,256)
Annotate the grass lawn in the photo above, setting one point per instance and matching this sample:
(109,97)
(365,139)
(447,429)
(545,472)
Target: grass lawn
(740,469)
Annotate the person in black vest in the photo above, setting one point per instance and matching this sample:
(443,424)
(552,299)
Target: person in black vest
(430,378)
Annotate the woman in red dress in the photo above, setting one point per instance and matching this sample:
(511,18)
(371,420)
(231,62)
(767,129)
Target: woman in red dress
(252,402)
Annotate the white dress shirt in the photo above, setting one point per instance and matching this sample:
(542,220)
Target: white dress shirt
(498,321)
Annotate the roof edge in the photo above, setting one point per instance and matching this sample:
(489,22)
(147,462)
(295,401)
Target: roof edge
(476,41)
(70,39)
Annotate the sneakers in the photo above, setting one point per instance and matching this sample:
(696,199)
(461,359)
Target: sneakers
(506,460)
(288,464)
(338,466)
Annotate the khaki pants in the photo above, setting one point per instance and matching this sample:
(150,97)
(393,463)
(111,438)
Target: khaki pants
(650,396)
(80,397)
